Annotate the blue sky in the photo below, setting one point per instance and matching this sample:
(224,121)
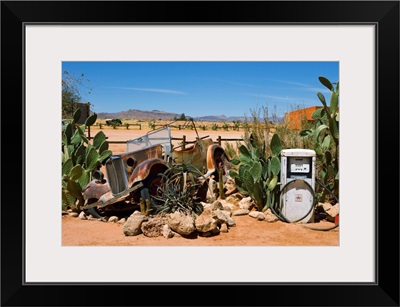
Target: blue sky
(202,88)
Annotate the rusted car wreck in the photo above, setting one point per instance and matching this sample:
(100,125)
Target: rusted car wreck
(135,175)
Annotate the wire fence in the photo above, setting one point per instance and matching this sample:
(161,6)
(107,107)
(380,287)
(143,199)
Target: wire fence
(184,141)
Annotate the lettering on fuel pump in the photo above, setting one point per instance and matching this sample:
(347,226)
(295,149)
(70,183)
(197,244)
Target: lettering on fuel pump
(299,168)
(298,198)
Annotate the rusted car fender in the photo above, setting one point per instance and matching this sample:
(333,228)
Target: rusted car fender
(147,167)
(95,189)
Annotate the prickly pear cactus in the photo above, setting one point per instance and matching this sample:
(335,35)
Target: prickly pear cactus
(80,158)
(326,137)
(257,176)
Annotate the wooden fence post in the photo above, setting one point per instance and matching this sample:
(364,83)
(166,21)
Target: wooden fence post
(219,140)
(184,142)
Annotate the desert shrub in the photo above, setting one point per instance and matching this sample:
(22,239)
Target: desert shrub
(179,191)
(214,127)
(257,129)
(230,150)
(152,125)
(236,124)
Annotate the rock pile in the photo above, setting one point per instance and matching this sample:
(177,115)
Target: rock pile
(217,216)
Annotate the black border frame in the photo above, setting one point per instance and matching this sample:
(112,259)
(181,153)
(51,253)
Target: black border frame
(383,14)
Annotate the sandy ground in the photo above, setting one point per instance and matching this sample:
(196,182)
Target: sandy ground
(122,135)
(246,232)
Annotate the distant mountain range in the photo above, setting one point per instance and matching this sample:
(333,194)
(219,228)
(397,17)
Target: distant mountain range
(161,115)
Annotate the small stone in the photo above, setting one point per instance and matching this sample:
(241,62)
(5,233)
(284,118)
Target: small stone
(223,228)
(122,221)
(113,219)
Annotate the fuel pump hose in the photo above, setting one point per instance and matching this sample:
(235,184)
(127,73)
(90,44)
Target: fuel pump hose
(282,217)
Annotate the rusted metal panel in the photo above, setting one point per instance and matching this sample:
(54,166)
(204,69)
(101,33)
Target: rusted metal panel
(195,155)
(216,158)
(108,198)
(95,190)
(295,118)
(133,158)
(153,165)
(211,163)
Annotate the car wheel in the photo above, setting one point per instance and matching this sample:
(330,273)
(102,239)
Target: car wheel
(152,183)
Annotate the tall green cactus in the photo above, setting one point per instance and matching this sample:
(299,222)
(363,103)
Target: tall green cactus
(258,176)
(80,158)
(326,137)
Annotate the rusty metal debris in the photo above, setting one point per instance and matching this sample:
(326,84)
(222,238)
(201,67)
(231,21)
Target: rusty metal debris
(132,177)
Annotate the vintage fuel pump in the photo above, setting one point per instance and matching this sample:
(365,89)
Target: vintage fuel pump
(297,193)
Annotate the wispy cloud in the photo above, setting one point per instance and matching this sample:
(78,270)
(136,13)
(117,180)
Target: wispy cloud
(318,89)
(281,98)
(303,86)
(153,90)
(292,83)
(239,83)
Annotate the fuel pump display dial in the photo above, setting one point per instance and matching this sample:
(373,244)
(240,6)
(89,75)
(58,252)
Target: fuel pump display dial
(300,165)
